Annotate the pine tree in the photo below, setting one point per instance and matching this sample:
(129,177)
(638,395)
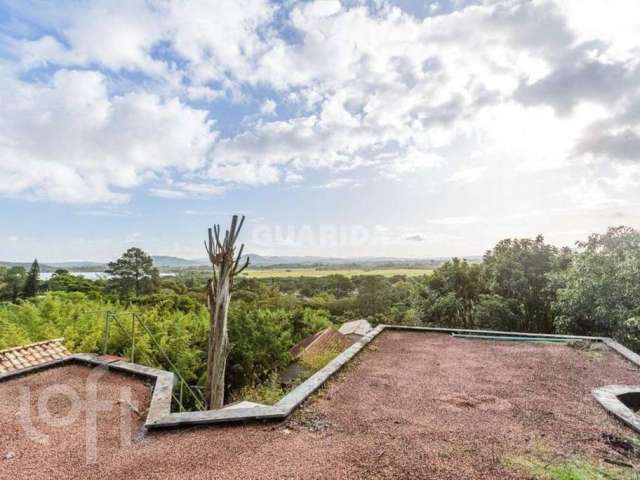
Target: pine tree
(133,273)
(33,277)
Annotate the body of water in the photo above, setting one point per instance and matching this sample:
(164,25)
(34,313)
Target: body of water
(89,275)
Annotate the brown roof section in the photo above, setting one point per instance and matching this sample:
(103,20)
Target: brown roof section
(111,358)
(320,342)
(415,406)
(17,358)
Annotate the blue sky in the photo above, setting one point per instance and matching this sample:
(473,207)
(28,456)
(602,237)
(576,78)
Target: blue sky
(387,128)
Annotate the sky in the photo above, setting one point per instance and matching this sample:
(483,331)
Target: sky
(385,128)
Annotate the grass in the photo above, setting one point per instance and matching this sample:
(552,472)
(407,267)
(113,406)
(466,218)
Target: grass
(633,440)
(271,391)
(571,469)
(267,393)
(314,362)
(323,272)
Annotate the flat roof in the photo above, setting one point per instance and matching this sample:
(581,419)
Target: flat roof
(412,404)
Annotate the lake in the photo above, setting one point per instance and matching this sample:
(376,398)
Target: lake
(89,275)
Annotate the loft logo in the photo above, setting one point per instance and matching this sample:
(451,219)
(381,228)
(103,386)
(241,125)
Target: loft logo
(36,415)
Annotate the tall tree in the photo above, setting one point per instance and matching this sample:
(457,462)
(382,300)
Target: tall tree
(133,273)
(226,265)
(453,291)
(599,293)
(519,269)
(12,283)
(31,283)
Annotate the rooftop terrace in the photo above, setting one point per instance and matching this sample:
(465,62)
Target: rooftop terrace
(411,405)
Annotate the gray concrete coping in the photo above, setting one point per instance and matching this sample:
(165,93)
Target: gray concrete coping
(160,416)
(280,410)
(164,381)
(609,398)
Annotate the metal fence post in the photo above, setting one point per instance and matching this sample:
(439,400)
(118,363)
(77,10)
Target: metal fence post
(106,333)
(133,337)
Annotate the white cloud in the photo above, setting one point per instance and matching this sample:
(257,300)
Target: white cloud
(349,86)
(293,177)
(618,27)
(175,190)
(467,175)
(244,171)
(131,27)
(324,8)
(218,43)
(469,220)
(268,107)
(168,193)
(68,140)
(340,183)
(398,90)
(107,211)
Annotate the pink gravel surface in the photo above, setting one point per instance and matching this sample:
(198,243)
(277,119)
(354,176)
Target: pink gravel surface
(413,405)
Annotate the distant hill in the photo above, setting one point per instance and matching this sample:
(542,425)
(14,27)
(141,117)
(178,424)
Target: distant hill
(265,261)
(78,265)
(27,266)
(163,261)
(257,261)
(306,261)
(53,266)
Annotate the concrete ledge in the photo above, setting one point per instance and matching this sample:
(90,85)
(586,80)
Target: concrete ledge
(622,350)
(160,404)
(495,333)
(297,396)
(609,398)
(160,416)
(280,410)
(302,391)
(224,415)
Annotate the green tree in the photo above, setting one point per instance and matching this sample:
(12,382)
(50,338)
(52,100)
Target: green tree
(31,284)
(494,312)
(452,292)
(599,294)
(12,283)
(307,321)
(445,310)
(63,281)
(133,273)
(519,269)
(11,334)
(260,341)
(373,299)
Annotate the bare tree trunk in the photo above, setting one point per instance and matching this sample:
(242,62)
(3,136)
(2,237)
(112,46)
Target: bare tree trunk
(218,349)
(225,267)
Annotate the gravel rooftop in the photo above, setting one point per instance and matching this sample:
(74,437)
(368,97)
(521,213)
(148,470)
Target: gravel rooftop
(412,405)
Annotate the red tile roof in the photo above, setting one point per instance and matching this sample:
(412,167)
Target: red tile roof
(320,342)
(17,358)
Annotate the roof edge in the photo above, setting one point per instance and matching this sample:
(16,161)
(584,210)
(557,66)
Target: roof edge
(29,345)
(160,415)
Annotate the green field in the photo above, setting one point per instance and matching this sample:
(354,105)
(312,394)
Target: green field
(323,272)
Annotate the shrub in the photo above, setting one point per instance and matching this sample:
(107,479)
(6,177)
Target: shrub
(268,392)
(312,362)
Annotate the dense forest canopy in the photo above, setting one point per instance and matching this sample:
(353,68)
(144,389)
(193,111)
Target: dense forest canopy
(520,285)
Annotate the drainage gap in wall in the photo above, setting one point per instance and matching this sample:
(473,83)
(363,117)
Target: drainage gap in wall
(631,400)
